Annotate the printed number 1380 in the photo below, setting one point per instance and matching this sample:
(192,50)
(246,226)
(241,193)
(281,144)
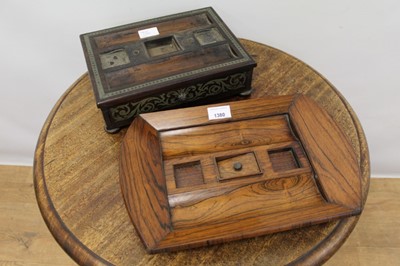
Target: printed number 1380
(219,115)
(219,112)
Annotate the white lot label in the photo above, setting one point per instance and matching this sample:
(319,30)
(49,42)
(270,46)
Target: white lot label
(148,32)
(219,112)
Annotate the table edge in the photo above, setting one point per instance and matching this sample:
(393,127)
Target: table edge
(64,237)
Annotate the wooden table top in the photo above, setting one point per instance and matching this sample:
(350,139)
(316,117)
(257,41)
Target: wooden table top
(76,179)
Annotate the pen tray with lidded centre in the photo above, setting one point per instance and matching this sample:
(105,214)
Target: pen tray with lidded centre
(195,176)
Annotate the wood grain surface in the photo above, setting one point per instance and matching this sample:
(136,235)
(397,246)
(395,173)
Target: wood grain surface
(153,221)
(77,188)
(330,153)
(24,238)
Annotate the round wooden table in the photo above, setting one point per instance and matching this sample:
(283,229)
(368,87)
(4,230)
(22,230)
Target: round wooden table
(76,179)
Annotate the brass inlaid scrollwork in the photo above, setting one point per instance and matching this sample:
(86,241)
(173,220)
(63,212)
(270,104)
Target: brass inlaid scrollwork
(179,96)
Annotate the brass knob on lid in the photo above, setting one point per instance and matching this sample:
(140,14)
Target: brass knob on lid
(237,166)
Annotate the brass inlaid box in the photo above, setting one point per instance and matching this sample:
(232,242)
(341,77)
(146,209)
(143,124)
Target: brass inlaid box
(182,59)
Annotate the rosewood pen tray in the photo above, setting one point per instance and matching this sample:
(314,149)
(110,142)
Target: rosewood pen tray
(162,63)
(263,166)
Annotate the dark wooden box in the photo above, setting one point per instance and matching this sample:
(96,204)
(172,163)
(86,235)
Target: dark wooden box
(177,60)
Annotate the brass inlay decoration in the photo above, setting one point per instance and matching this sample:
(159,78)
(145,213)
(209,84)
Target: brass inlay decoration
(176,97)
